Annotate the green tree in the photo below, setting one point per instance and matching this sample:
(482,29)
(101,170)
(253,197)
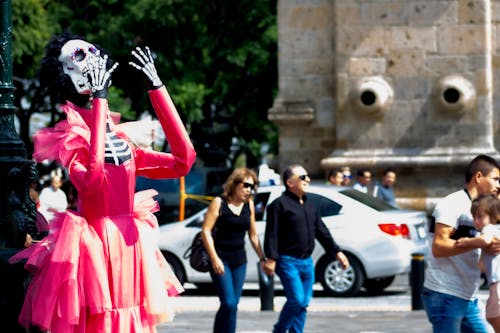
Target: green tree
(31,31)
(217,58)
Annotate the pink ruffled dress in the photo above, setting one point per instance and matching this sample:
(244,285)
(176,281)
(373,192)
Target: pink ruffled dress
(99,270)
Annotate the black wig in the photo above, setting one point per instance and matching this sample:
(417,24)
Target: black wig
(59,86)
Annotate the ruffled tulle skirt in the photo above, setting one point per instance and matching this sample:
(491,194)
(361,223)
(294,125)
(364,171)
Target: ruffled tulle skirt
(105,275)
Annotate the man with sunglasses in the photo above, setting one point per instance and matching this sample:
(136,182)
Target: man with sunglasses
(293,224)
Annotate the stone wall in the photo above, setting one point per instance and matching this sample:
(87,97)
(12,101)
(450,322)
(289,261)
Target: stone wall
(305,106)
(377,83)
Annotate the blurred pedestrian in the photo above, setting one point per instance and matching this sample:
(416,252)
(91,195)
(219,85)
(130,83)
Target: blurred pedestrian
(346,171)
(293,224)
(452,274)
(34,193)
(335,177)
(230,217)
(52,199)
(485,210)
(363,180)
(384,190)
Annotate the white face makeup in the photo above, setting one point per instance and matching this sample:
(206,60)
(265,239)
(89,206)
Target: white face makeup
(75,56)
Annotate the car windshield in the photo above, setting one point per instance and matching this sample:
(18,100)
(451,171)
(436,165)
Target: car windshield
(368,200)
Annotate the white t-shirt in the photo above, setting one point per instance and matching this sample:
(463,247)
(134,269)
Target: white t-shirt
(491,262)
(360,188)
(52,199)
(457,275)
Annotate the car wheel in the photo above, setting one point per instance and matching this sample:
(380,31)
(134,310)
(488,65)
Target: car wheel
(176,267)
(339,282)
(378,284)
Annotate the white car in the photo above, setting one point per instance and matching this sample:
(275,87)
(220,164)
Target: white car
(378,239)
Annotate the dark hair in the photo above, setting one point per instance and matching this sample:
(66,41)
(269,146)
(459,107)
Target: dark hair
(361,172)
(236,177)
(334,171)
(481,163)
(59,86)
(288,173)
(386,171)
(488,204)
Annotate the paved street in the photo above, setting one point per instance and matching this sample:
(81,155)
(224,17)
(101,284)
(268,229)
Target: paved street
(387,312)
(317,321)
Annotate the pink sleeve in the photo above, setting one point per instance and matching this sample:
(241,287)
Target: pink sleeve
(89,176)
(167,165)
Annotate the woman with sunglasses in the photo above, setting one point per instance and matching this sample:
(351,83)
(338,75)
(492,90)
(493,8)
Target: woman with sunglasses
(228,219)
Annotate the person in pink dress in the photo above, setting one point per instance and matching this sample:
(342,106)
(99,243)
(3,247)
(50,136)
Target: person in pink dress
(99,269)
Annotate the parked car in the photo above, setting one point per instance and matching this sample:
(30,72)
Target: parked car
(377,238)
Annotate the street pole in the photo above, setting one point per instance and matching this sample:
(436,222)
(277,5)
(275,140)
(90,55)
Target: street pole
(417,280)
(17,210)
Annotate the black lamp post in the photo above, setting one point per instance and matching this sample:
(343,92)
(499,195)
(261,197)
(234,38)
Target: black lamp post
(17,210)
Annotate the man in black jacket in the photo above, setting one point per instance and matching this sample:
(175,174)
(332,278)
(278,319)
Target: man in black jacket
(292,226)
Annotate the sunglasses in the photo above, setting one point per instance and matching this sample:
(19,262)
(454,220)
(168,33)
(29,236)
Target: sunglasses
(303,177)
(248,185)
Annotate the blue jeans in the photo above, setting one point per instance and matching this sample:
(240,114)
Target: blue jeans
(229,287)
(451,314)
(297,278)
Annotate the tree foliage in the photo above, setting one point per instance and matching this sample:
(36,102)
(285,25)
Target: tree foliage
(218,58)
(31,32)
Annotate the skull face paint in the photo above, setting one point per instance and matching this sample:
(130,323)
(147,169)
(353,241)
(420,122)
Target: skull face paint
(75,56)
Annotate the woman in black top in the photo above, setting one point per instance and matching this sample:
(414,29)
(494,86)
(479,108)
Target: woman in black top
(232,215)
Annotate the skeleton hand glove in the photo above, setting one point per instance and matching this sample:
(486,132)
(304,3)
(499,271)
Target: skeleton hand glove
(146,66)
(99,78)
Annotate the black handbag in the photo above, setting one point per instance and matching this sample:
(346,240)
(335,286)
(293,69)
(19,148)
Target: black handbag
(198,256)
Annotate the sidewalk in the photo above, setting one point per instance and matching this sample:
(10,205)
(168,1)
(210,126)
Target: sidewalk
(196,315)
(317,322)
(389,312)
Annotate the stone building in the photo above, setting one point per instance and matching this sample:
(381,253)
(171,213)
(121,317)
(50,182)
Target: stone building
(408,84)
